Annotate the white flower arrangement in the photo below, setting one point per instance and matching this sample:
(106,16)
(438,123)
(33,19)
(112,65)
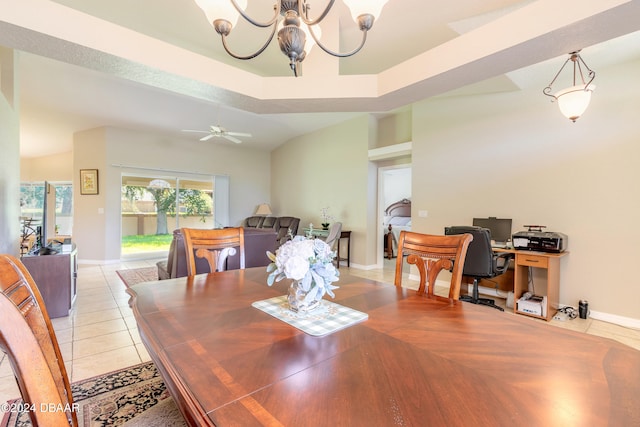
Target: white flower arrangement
(307,261)
(324,214)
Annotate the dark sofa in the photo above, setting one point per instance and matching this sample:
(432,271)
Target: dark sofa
(283,225)
(256,244)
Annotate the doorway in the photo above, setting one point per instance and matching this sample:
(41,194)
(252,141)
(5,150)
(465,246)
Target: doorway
(394,185)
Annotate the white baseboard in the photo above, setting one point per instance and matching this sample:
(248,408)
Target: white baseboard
(493,292)
(627,322)
(360,266)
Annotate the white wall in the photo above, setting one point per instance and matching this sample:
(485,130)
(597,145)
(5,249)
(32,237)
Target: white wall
(98,234)
(55,168)
(503,155)
(10,153)
(90,230)
(328,168)
(394,128)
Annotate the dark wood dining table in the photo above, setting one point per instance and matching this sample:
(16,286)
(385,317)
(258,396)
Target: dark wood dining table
(416,360)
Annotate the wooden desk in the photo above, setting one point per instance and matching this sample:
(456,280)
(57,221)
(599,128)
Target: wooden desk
(344,234)
(415,361)
(544,260)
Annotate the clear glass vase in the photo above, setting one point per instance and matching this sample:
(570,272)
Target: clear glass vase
(298,301)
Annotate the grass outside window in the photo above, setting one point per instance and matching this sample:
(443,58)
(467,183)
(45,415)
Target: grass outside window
(146,243)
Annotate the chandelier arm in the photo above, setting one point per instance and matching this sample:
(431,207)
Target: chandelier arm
(547,90)
(253,55)
(276,14)
(338,54)
(590,76)
(305,16)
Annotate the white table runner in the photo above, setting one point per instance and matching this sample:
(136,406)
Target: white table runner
(324,320)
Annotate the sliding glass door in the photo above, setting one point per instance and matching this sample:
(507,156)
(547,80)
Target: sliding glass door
(154,206)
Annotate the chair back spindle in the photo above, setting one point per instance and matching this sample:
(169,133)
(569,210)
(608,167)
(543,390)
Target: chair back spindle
(213,245)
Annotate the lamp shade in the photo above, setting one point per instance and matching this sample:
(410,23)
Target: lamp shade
(221,9)
(574,100)
(360,7)
(263,209)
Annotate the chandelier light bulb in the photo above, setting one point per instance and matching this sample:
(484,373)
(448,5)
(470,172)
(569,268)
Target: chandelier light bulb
(365,7)
(310,41)
(217,9)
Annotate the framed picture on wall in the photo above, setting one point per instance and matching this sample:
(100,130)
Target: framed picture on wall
(88,181)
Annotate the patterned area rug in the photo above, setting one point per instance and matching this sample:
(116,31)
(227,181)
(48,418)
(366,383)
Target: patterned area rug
(134,276)
(115,398)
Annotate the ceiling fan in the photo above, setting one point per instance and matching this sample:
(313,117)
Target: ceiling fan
(220,132)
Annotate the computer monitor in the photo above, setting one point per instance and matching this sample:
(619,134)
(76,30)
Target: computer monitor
(500,228)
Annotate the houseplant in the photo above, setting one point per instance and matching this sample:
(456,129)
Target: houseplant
(309,264)
(326,218)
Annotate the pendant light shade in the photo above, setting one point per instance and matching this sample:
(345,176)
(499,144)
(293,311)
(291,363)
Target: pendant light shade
(574,100)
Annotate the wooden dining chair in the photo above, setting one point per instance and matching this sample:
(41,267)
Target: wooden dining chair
(432,254)
(213,245)
(28,339)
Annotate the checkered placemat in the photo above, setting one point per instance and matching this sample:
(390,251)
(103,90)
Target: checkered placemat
(324,320)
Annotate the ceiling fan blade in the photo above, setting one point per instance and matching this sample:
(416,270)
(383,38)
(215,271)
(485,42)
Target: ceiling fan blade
(231,138)
(197,131)
(206,138)
(244,135)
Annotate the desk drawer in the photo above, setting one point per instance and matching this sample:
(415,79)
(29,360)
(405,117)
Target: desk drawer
(533,260)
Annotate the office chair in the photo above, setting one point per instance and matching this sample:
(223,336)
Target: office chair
(481,261)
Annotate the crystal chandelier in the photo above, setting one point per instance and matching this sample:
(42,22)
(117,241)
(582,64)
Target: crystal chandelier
(574,100)
(224,14)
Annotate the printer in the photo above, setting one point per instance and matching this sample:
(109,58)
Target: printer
(542,241)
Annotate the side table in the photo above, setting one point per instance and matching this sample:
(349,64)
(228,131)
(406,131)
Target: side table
(345,234)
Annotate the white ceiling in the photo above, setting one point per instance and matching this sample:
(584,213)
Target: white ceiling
(158,66)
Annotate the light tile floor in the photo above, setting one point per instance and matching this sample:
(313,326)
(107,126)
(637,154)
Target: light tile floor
(100,334)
